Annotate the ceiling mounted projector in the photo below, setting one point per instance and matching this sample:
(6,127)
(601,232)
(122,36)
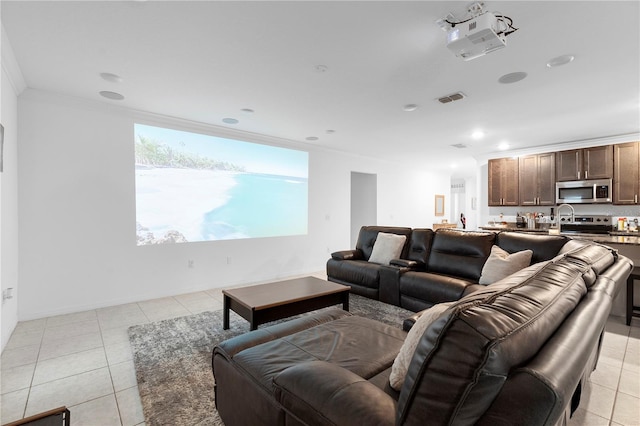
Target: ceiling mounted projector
(482,33)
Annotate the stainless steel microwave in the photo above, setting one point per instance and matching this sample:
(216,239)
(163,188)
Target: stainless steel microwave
(584,191)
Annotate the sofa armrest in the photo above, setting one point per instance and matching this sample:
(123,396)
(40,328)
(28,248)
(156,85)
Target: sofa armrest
(348,255)
(321,393)
(409,322)
(409,264)
(389,284)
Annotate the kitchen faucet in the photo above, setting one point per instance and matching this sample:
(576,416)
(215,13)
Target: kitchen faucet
(573,213)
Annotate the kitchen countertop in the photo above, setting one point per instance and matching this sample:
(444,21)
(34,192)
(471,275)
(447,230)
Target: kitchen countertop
(614,237)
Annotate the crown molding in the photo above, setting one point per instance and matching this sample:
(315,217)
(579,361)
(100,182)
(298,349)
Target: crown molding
(562,146)
(178,123)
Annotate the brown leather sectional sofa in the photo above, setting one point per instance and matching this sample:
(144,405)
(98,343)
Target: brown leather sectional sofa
(518,351)
(434,267)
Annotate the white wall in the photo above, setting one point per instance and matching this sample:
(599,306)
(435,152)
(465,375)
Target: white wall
(364,203)
(77,214)
(8,197)
(471,202)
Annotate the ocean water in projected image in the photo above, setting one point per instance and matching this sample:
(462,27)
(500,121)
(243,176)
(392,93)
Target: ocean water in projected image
(183,205)
(260,206)
(192,187)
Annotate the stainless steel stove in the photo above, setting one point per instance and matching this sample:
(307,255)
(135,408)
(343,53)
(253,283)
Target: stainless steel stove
(590,224)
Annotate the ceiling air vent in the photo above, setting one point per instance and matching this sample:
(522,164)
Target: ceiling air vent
(459,145)
(453,97)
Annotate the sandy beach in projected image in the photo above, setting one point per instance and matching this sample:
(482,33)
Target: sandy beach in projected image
(169,199)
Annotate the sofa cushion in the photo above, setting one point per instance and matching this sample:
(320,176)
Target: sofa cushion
(361,345)
(358,272)
(465,356)
(367,238)
(460,253)
(401,363)
(420,246)
(420,290)
(387,247)
(592,260)
(501,264)
(544,247)
(573,245)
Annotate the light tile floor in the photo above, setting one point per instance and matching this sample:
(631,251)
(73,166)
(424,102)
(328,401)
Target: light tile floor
(84,361)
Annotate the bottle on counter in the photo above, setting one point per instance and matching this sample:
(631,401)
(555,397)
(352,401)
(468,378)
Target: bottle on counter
(621,223)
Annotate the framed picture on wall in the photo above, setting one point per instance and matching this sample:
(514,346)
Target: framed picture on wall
(439,205)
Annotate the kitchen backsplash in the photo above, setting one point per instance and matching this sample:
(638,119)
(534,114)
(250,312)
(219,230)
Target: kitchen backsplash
(509,213)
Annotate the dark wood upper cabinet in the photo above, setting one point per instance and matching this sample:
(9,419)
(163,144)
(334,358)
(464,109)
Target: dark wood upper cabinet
(598,162)
(537,180)
(531,180)
(626,180)
(503,182)
(586,163)
(568,164)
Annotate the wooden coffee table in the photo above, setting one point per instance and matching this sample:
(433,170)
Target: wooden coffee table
(269,302)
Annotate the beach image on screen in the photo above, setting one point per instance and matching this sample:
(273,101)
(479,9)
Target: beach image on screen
(193,187)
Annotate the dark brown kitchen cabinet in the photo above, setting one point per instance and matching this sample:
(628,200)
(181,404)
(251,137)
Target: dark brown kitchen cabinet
(503,182)
(537,180)
(587,163)
(626,180)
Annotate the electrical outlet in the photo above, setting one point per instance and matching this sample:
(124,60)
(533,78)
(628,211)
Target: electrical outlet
(191,263)
(7,294)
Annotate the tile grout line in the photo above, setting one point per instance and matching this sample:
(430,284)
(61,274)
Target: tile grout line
(181,304)
(615,396)
(113,387)
(618,392)
(35,368)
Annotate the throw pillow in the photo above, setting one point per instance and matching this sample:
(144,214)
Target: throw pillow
(403,359)
(387,247)
(501,264)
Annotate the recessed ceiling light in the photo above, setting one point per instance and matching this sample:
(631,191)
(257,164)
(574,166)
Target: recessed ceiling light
(410,107)
(560,60)
(503,146)
(513,77)
(230,120)
(111,95)
(113,78)
(312,138)
(247,110)
(478,134)
(330,132)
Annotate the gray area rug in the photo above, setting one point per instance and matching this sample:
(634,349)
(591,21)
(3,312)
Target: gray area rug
(173,360)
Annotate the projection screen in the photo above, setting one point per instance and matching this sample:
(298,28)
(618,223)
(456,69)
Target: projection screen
(194,187)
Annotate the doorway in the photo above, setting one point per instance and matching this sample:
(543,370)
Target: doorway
(364,202)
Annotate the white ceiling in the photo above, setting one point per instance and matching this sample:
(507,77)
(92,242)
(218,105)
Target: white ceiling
(207,60)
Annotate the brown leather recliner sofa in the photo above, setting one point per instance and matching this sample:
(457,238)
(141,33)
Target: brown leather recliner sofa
(434,267)
(518,351)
